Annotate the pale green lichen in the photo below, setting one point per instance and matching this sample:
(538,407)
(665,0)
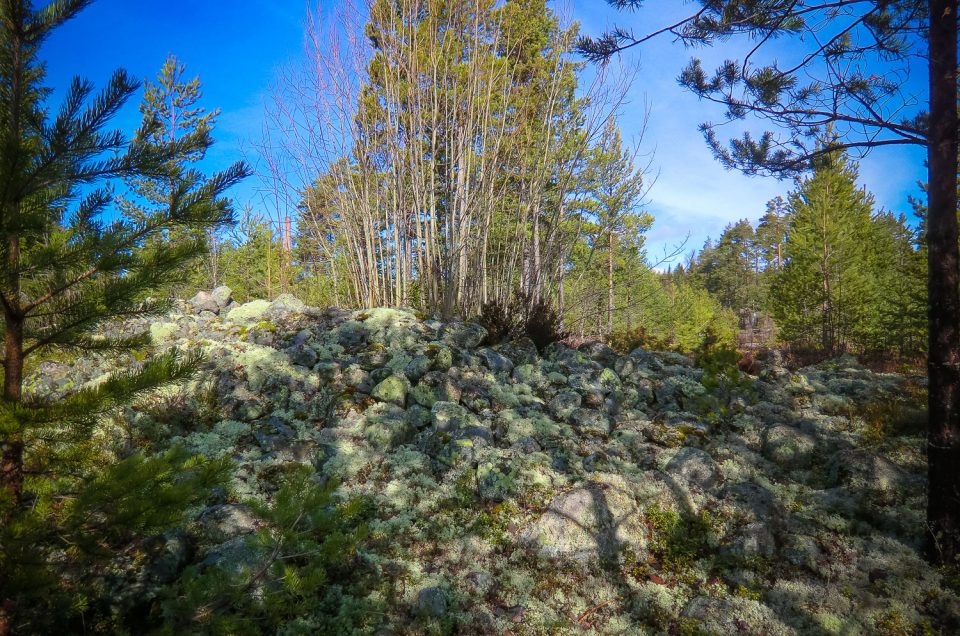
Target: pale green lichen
(161,332)
(248,313)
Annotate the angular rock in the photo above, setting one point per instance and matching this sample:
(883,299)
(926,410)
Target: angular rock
(599,353)
(496,362)
(596,520)
(564,404)
(302,355)
(284,306)
(204,301)
(222,295)
(432,601)
(250,312)
(464,335)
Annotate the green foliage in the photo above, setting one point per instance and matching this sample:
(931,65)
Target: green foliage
(850,280)
(627,339)
(171,111)
(676,314)
(299,573)
(728,388)
(798,95)
(70,267)
(676,541)
(730,270)
(53,552)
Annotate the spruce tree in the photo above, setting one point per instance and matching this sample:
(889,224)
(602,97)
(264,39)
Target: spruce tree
(69,266)
(897,321)
(822,295)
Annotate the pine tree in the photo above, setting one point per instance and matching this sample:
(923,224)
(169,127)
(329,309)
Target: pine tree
(730,268)
(615,187)
(171,111)
(821,296)
(65,270)
(771,233)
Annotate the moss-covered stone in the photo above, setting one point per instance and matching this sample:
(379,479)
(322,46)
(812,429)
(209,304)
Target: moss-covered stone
(394,390)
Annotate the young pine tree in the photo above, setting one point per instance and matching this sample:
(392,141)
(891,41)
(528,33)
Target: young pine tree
(171,111)
(66,268)
(616,189)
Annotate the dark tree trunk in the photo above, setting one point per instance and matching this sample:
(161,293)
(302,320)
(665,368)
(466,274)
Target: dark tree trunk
(943,285)
(610,248)
(11,448)
(11,461)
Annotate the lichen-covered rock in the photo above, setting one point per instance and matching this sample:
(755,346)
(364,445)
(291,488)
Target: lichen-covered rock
(283,306)
(226,521)
(679,392)
(596,520)
(564,404)
(590,422)
(865,471)
(222,295)
(591,492)
(464,335)
(302,355)
(432,601)
(496,362)
(448,416)
(788,447)
(161,332)
(393,389)
(600,353)
(695,467)
(495,482)
(250,312)
(734,615)
(204,301)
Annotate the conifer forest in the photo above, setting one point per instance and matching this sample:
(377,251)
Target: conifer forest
(450,333)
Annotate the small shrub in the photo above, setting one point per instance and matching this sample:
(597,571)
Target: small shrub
(305,578)
(624,341)
(522,316)
(888,416)
(499,320)
(54,553)
(541,322)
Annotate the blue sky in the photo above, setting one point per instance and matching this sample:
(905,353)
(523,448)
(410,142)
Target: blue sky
(237,47)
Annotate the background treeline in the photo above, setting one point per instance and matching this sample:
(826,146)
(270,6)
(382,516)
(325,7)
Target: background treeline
(833,273)
(477,164)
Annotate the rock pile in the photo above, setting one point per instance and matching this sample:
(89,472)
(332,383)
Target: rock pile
(568,490)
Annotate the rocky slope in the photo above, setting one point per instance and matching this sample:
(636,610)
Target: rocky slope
(564,491)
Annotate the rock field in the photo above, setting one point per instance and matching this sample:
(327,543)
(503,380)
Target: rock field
(563,491)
